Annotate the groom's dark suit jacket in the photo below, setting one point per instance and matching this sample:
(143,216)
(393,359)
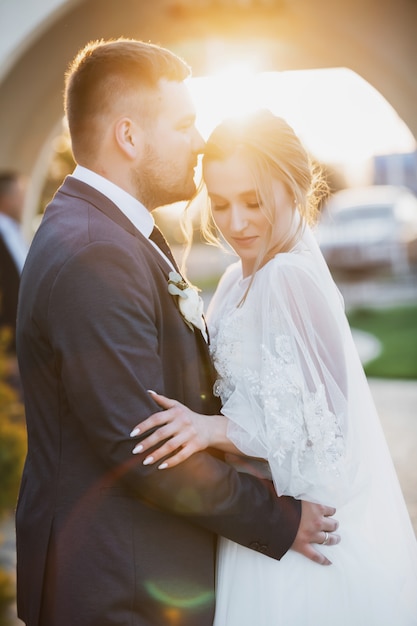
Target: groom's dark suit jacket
(103,540)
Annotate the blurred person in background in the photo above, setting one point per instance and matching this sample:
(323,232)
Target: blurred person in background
(13,251)
(13,248)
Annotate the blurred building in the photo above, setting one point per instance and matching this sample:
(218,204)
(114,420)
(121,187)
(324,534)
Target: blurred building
(396,169)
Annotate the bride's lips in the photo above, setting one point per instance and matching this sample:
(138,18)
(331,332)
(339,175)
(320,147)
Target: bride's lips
(244,241)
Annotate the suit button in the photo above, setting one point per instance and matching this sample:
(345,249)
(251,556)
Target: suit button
(255,545)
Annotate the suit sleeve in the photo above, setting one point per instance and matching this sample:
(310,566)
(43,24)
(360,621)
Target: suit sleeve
(105,322)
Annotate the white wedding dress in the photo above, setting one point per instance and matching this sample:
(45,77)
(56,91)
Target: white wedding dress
(294,390)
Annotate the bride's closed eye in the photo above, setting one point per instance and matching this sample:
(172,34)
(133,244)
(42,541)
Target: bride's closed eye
(218,205)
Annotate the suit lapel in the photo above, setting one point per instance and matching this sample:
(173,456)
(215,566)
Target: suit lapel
(77,188)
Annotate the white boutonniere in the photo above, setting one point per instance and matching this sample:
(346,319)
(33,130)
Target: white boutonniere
(189,302)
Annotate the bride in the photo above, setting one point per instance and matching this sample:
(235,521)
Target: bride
(296,403)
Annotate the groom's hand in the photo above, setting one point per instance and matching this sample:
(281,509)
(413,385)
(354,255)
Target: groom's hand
(316,527)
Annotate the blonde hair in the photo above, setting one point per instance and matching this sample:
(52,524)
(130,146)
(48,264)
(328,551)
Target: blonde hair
(273,152)
(104,73)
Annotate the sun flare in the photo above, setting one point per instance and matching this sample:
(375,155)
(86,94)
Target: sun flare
(338,115)
(227,93)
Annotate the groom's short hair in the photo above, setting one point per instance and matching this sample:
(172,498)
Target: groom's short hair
(105,71)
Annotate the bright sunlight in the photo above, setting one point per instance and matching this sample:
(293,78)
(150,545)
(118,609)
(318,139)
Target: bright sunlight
(339,116)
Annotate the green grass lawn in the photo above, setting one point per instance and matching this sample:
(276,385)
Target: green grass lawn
(396,329)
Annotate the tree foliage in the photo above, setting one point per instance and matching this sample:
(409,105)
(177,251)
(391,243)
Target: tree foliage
(12,454)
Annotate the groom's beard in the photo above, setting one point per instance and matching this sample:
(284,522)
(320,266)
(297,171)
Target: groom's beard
(160,181)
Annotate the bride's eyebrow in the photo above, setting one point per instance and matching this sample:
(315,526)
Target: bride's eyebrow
(249,194)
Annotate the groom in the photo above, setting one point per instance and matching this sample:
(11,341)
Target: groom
(101,538)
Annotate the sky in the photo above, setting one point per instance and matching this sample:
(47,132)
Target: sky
(340,117)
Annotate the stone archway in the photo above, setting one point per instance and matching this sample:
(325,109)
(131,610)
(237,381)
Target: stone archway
(375,38)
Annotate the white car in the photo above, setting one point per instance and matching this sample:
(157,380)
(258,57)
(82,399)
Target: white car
(368,228)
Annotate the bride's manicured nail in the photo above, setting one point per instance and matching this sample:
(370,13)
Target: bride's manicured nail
(148,460)
(151,391)
(163,466)
(135,432)
(137,449)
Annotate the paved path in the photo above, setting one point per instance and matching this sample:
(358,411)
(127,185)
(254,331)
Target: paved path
(397,407)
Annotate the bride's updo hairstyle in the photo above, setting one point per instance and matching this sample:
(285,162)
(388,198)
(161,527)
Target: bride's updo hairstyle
(273,152)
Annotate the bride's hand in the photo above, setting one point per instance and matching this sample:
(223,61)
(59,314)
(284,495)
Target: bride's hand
(182,431)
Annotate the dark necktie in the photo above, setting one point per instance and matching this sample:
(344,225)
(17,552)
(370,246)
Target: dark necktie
(158,238)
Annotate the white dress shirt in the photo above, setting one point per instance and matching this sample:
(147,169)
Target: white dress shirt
(134,210)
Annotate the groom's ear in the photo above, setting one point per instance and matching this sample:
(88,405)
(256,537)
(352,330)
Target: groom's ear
(128,137)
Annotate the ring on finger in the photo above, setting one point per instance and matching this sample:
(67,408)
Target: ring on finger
(326,538)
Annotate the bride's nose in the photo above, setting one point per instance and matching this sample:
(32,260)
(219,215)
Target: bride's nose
(238,221)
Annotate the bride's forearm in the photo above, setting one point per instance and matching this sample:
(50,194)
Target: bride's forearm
(241,462)
(218,435)
(177,432)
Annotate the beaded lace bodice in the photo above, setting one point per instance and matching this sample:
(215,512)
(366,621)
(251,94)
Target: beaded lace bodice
(270,380)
